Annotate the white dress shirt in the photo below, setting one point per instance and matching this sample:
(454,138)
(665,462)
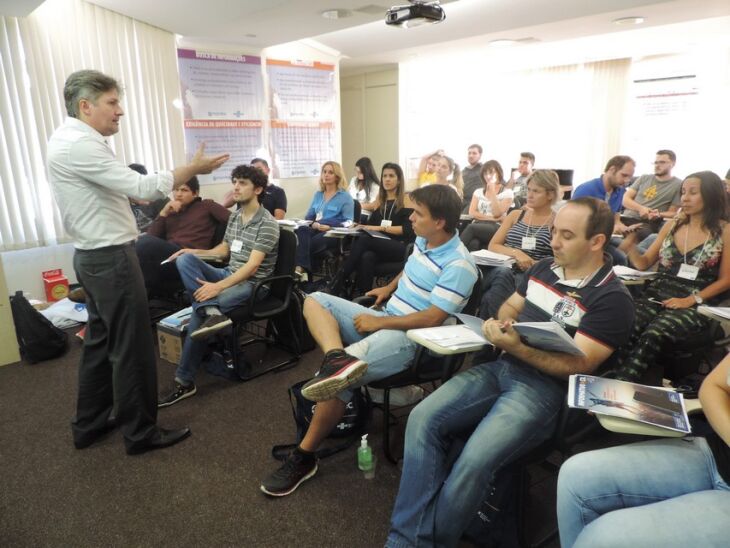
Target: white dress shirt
(91,186)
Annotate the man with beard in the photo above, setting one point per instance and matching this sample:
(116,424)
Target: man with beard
(653,197)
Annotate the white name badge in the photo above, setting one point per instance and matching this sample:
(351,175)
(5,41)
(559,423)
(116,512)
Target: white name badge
(319,216)
(688,271)
(386,223)
(236,246)
(517,189)
(529,242)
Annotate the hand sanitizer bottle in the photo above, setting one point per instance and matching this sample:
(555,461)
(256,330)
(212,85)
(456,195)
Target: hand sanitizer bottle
(365,458)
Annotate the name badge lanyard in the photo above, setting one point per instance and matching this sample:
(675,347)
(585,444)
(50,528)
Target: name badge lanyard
(320,210)
(529,242)
(691,271)
(386,222)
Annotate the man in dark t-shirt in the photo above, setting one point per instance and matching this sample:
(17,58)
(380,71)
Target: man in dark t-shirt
(274,198)
(521,393)
(471,175)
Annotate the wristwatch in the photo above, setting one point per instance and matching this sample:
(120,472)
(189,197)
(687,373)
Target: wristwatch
(696,296)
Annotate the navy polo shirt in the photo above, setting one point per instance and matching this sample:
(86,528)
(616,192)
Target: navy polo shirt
(600,307)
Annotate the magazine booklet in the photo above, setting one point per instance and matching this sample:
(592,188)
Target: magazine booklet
(547,336)
(543,335)
(627,400)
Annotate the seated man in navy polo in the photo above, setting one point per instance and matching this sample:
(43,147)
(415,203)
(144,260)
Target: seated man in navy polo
(274,197)
(436,282)
(520,393)
(610,187)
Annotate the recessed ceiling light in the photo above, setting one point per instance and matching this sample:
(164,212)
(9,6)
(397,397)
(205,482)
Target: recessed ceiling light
(502,43)
(336,14)
(634,20)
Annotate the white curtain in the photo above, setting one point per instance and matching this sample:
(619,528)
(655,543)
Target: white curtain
(569,116)
(37,54)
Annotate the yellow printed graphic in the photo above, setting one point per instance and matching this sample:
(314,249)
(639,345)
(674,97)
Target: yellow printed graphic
(650,193)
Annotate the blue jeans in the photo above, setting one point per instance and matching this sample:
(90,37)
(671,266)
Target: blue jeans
(192,268)
(658,493)
(435,504)
(310,243)
(386,352)
(618,256)
(646,242)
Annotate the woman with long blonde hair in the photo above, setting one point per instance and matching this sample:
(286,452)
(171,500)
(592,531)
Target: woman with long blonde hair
(331,206)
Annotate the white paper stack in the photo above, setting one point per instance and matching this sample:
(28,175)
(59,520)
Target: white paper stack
(490,258)
(626,273)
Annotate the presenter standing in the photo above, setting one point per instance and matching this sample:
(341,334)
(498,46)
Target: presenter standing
(118,368)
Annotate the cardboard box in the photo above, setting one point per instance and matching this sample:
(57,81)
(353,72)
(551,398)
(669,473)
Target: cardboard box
(55,284)
(171,332)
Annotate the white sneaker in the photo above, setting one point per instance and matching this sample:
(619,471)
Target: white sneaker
(399,397)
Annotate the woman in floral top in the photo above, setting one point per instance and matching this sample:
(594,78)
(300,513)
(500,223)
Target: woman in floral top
(692,270)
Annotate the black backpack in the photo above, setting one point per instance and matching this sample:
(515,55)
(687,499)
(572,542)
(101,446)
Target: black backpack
(352,425)
(495,524)
(38,338)
(301,332)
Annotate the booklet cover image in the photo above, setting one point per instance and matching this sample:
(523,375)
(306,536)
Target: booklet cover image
(628,400)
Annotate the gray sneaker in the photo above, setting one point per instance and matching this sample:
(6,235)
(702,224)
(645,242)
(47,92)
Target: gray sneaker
(211,326)
(295,470)
(339,371)
(180,393)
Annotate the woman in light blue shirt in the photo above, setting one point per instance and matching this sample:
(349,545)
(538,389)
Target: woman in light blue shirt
(331,206)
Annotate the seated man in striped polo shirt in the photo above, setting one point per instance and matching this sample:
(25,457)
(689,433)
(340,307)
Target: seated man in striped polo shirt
(436,281)
(251,243)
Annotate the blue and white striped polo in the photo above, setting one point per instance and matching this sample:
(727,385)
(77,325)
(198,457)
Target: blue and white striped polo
(443,276)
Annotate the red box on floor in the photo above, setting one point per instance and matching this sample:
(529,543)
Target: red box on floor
(56,284)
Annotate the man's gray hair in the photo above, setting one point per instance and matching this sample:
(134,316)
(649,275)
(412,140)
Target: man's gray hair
(89,85)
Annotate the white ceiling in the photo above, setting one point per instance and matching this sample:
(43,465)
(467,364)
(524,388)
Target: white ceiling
(363,39)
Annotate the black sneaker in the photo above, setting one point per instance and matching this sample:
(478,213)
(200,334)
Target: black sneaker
(211,325)
(339,371)
(296,469)
(180,393)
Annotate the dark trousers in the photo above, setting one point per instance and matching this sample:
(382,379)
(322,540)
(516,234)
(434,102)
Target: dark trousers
(118,368)
(366,254)
(151,251)
(311,242)
(477,235)
(498,285)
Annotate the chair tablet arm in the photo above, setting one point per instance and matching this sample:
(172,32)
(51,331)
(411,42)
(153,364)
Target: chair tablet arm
(629,426)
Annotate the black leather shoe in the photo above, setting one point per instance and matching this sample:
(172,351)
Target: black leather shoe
(92,437)
(164,438)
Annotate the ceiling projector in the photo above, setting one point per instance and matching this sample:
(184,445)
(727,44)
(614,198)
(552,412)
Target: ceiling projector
(415,14)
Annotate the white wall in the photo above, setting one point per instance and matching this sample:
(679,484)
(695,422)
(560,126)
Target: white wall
(369,118)
(23,268)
